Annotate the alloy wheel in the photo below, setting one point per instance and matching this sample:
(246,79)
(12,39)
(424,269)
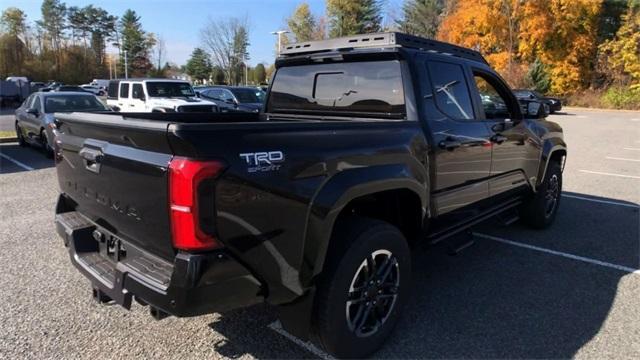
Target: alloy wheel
(373,293)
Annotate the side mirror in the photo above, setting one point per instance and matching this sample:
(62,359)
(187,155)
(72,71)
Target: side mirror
(230,101)
(536,110)
(33,111)
(141,97)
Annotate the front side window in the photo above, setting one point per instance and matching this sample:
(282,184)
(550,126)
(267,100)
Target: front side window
(359,89)
(136,91)
(124,90)
(37,104)
(493,104)
(27,103)
(451,90)
(213,94)
(226,95)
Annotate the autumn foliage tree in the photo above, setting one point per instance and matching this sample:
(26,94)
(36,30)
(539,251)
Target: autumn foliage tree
(514,34)
(622,54)
(491,27)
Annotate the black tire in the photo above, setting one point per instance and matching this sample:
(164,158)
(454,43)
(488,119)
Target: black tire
(44,141)
(21,140)
(356,244)
(541,208)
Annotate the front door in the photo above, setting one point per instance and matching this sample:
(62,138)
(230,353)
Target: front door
(461,146)
(513,153)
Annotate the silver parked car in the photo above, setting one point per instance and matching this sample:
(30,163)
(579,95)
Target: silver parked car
(35,121)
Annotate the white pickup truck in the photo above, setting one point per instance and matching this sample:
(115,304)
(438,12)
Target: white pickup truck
(155,95)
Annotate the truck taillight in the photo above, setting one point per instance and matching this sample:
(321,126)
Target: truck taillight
(185,179)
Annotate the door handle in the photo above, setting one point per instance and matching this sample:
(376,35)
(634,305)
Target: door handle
(92,159)
(132,105)
(449,144)
(498,139)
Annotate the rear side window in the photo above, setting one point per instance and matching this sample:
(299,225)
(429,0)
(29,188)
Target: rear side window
(124,91)
(113,89)
(451,90)
(365,89)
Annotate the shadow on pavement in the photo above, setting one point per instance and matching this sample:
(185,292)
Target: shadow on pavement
(247,332)
(492,300)
(33,157)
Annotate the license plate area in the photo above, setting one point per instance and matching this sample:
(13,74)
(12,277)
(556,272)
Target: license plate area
(109,246)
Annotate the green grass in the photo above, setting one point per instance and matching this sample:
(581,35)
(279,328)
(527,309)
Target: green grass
(7,134)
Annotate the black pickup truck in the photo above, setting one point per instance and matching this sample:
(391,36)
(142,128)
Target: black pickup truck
(367,145)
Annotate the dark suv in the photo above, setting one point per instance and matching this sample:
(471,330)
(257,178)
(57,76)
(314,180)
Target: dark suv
(367,145)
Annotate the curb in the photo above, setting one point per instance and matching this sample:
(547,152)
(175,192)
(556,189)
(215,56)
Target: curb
(595,109)
(8,140)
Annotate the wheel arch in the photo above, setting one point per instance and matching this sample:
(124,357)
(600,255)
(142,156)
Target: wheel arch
(554,149)
(370,193)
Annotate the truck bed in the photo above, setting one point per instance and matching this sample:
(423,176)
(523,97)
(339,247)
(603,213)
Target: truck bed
(128,196)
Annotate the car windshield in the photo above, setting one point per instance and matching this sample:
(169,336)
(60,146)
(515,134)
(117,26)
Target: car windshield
(246,96)
(169,89)
(73,102)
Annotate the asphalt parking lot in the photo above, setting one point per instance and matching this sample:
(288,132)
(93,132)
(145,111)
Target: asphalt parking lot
(570,291)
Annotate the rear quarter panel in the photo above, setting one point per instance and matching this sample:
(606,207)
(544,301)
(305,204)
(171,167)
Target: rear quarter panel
(279,221)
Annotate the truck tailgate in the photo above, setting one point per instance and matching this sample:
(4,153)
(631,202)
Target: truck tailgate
(114,171)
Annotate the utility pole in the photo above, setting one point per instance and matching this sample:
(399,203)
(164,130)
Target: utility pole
(246,71)
(126,65)
(115,63)
(279,33)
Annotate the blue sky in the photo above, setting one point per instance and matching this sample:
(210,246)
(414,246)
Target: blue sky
(179,21)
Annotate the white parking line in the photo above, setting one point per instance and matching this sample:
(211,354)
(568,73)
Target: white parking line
(601,201)
(307,345)
(622,159)
(22,165)
(609,174)
(560,253)
(632,149)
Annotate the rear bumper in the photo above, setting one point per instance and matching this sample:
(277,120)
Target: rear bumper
(194,284)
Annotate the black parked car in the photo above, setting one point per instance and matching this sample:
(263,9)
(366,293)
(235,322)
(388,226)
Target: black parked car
(554,104)
(234,98)
(367,145)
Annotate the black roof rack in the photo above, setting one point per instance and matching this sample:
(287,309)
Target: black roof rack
(381,40)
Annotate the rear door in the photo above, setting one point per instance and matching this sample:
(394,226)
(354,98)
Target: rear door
(461,146)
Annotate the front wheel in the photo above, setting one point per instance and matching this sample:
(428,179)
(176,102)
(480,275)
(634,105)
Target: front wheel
(541,208)
(44,140)
(21,140)
(362,289)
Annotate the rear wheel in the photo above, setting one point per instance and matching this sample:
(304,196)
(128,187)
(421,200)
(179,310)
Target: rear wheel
(19,135)
(362,289)
(540,209)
